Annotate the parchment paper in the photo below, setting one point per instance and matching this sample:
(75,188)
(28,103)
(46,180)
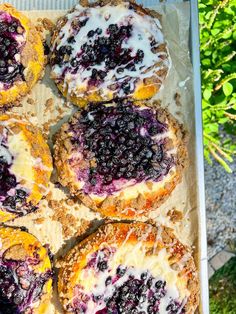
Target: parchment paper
(61,220)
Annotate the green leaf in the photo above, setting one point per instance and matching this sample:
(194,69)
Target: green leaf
(207,94)
(213,127)
(223,120)
(215,31)
(227,35)
(205,104)
(234,35)
(206,62)
(227,67)
(228,89)
(208,53)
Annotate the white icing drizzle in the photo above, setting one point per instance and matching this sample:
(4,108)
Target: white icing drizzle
(145,29)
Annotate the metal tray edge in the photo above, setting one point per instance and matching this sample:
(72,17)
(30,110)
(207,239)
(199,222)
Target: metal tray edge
(195,47)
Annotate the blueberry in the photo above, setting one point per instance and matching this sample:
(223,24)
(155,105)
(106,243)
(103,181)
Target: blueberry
(85,58)
(93,181)
(94,73)
(71,40)
(99,31)
(7,42)
(112,64)
(149,282)
(121,271)
(131,67)
(102,265)
(158,284)
(3,27)
(10,201)
(2,63)
(101,41)
(126,88)
(158,155)
(120,70)
(108,281)
(153,130)
(131,125)
(124,30)
(120,123)
(83,23)
(121,139)
(46,49)
(140,55)
(74,62)
(150,309)
(18,297)
(10,181)
(2,48)
(62,50)
(84,47)
(102,74)
(112,28)
(11,29)
(108,178)
(91,33)
(21,193)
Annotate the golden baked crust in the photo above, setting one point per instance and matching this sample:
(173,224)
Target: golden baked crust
(20,249)
(145,85)
(31,57)
(26,154)
(130,245)
(125,203)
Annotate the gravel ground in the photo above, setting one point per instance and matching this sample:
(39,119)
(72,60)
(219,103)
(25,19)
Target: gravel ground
(220,207)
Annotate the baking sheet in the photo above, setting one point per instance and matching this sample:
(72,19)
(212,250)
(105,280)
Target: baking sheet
(60,219)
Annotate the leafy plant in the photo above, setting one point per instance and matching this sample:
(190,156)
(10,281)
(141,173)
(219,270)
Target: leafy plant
(223,289)
(218,71)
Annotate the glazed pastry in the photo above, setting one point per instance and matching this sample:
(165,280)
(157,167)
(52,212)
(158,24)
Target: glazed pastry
(25,273)
(25,167)
(109,49)
(21,55)
(129,268)
(121,159)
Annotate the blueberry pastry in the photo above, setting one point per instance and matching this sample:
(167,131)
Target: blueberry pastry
(121,159)
(25,167)
(21,55)
(25,273)
(129,268)
(109,49)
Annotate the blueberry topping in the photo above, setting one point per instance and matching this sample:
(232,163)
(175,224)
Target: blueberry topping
(20,286)
(15,201)
(10,68)
(8,181)
(118,142)
(134,295)
(106,49)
